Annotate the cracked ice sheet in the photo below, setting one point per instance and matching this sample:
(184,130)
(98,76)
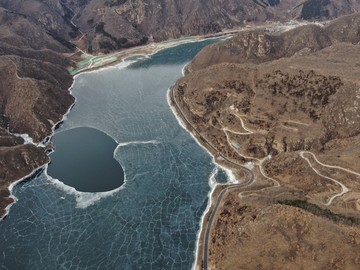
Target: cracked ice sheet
(149,224)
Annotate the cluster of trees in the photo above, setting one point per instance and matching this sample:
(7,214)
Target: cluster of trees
(308,90)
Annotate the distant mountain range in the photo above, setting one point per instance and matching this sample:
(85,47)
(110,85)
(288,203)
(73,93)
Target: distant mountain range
(112,24)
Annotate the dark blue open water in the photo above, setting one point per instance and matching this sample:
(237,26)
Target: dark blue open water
(84,159)
(150,222)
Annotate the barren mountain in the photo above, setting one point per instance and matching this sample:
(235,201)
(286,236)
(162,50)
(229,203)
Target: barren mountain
(33,90)
(271,43)
(286,104)
(113,24)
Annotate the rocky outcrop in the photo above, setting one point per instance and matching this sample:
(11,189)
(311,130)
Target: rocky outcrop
(17,162)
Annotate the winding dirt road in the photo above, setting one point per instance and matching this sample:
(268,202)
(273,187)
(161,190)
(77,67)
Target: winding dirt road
(344,189)
(208,145)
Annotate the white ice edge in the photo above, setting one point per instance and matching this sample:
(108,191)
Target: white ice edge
(28,140)
(213,185)
(212,178)
(183,70)
(120,65)
(133,142)
(212,182)
(11,187)
(139,142)
(230,175)
(83,199)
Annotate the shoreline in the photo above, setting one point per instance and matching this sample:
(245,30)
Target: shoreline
(215,188)
(44,143)
(147,51)
(152,49)
(102,60)
(121,61)
(82,199)
(13,184)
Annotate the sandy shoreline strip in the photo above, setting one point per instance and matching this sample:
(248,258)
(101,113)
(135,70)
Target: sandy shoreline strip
(146,51)
(94,62)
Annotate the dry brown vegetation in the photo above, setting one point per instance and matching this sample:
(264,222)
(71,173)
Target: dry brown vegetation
(296,119)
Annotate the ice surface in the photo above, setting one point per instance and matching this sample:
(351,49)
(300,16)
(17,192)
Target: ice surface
(149,223)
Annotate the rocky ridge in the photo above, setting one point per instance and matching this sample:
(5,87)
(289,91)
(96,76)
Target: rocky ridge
(268,44)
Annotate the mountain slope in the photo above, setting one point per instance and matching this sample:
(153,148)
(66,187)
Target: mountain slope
(33,89)
(109,24)
(284,103)
(266,44)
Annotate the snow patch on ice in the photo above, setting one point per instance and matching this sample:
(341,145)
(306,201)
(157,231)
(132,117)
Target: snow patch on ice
(83,199)
(212,178)
(134,142)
